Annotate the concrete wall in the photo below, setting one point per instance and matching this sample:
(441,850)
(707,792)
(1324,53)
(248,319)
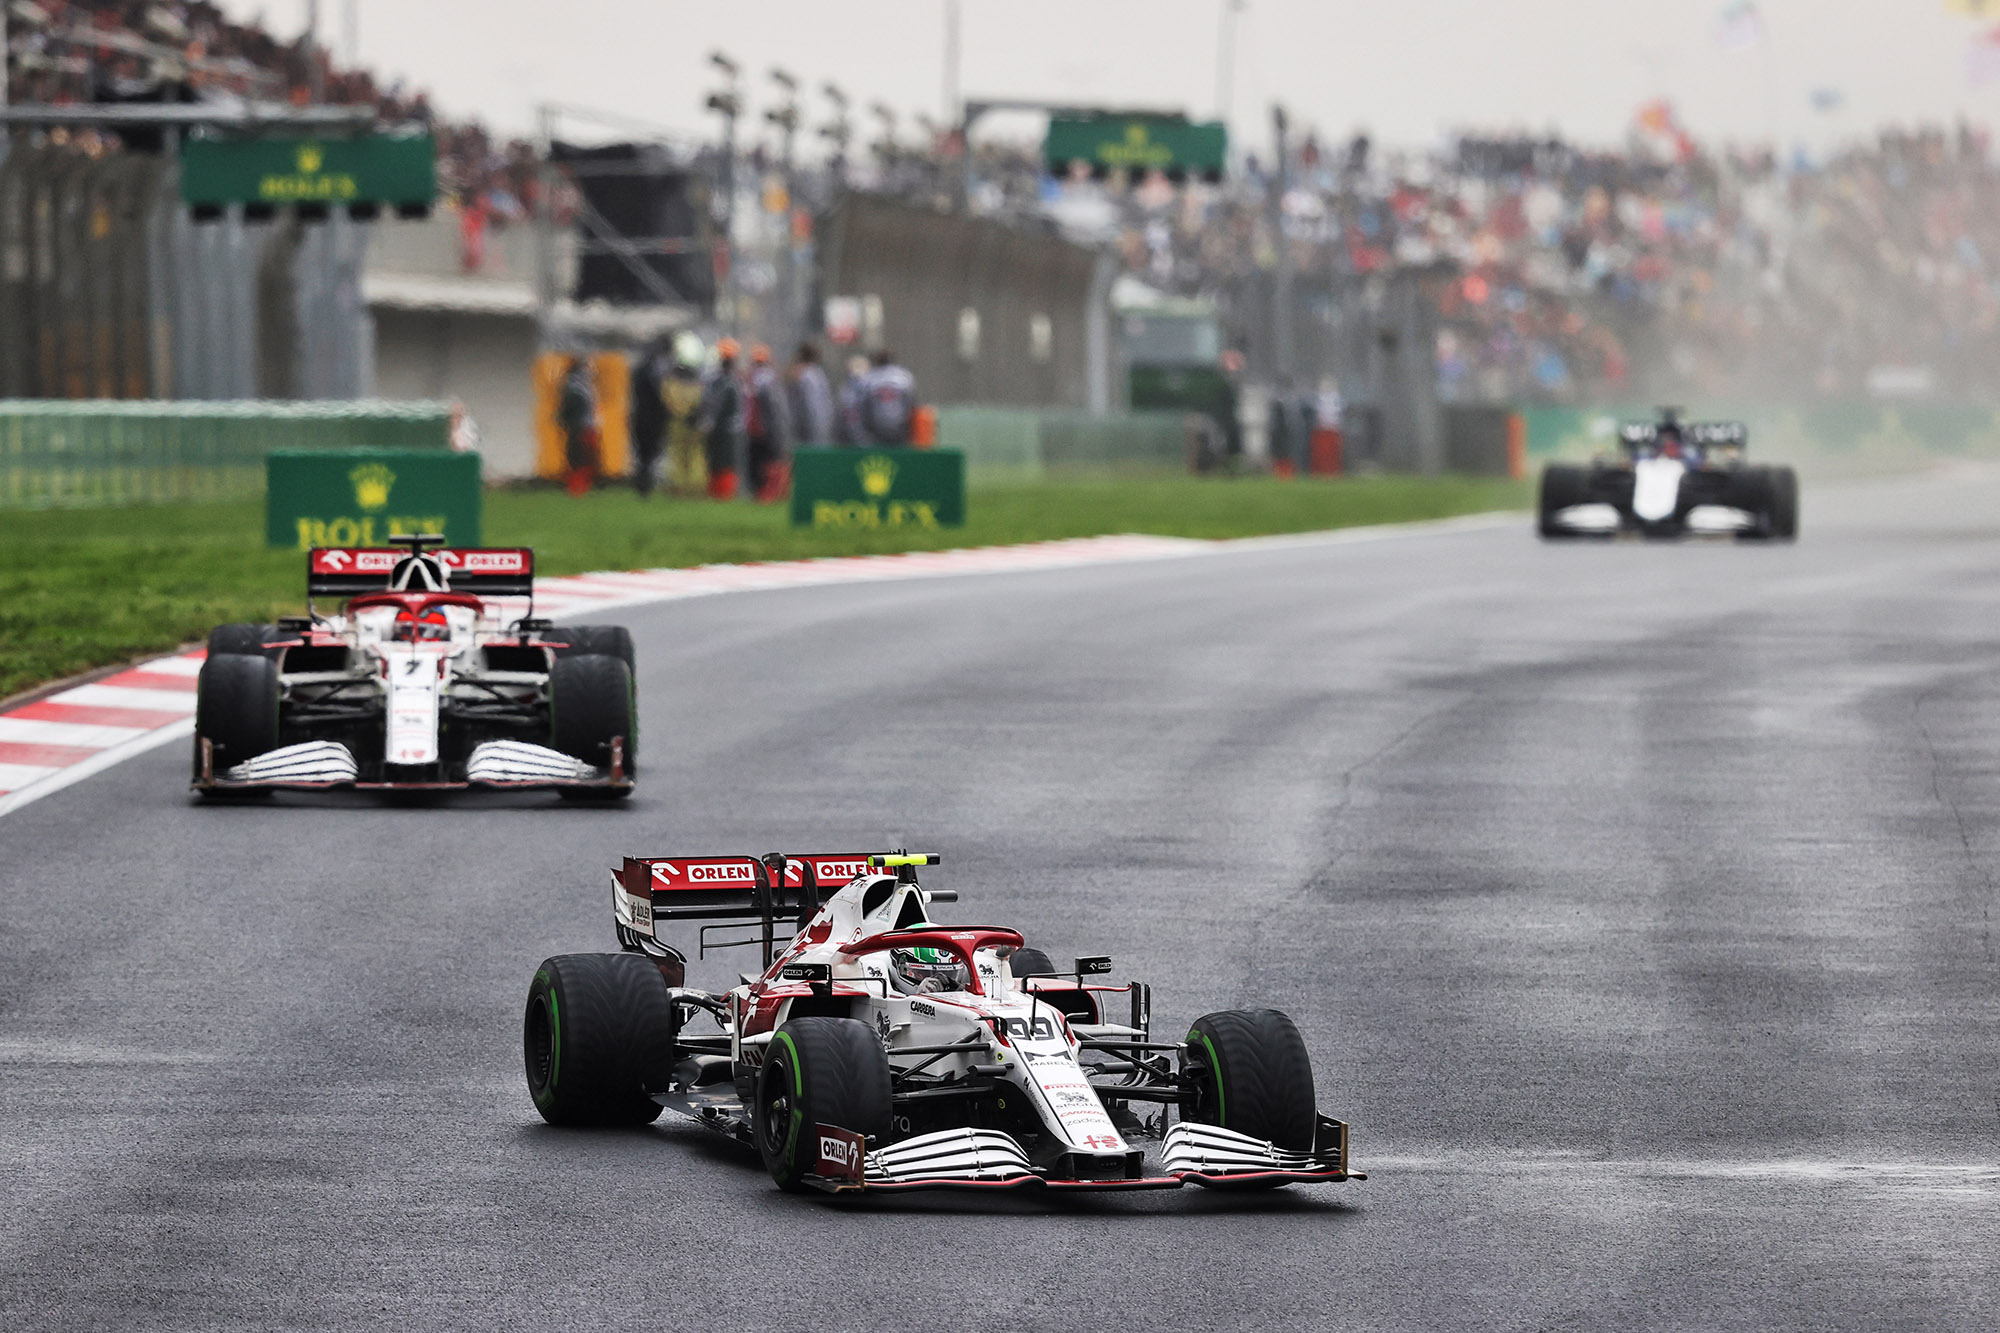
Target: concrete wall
(483,360)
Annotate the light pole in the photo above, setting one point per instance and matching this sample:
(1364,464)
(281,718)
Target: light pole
(885,147)
(1225,60)
(729,105)
(837,132)
(786,118)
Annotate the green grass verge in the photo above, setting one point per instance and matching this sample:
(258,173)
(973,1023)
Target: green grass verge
(82,588)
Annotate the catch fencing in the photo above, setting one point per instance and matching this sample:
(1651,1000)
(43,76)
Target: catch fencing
(111,453)
(109,290)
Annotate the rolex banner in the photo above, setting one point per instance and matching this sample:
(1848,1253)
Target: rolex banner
(878,488)
(363,497)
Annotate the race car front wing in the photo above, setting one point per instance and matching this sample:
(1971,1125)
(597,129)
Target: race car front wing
(312,765)
(1191,1154)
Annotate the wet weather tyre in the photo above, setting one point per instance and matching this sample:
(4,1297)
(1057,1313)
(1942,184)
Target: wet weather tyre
(591,703)
(1754,491)
(1784,504)
(1247,1070)
(1031,963)
(236,707)
(596,640)
(1563,485)
(818,1071)
(598,1036)
(245,639)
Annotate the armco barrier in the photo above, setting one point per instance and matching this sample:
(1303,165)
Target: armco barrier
(1003,443)
(60,452)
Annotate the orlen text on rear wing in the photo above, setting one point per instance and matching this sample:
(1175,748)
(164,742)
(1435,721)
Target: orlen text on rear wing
(753,891)
(485,571)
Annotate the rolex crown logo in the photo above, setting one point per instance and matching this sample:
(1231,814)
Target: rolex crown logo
(371,485)
(311,156)
(877,476)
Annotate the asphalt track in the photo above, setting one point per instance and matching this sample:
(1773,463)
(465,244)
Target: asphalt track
(1636,901)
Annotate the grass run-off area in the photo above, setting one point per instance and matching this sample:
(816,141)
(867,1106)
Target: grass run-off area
(83,588)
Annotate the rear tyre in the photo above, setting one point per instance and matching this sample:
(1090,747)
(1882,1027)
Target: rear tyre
(591,703)
(599,640)
(245,639)
(236,708)
(818,1071)
(1247,1070)
(598,1036)
(1563,485)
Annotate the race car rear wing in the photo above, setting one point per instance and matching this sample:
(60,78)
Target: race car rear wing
(346,571)
(755,891)
(1704,434)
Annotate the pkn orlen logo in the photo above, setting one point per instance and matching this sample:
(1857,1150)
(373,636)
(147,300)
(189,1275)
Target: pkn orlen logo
(877,477)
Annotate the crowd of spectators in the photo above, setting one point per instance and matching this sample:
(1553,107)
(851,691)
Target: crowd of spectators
(1560,273)
(1563,274)
(62,52)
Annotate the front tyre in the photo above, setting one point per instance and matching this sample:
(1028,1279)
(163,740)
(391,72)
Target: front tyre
(591,703)
(1784,504)
(597,1038)
(1247,1070)
(236,708)
(1563,485)
(818,1071)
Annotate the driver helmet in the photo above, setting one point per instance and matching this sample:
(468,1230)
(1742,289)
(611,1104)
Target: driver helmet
(924,970)
(1668,440)
(431,626)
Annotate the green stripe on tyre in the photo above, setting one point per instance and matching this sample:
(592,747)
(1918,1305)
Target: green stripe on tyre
(1215,1071)
(798,1097)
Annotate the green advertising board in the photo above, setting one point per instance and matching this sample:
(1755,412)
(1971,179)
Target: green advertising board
(362,497)
(878,488)
(382,169)
(1138,143)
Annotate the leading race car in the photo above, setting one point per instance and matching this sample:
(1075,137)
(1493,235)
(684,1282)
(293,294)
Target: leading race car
(879,1050)
(420,683)
(1669,479)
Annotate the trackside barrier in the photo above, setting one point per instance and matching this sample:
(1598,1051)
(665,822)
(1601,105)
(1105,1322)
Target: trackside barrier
(80,453)
(1004,443)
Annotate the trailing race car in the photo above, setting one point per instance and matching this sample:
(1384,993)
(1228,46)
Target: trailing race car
(419,683)
(879,1050)
(1671,479)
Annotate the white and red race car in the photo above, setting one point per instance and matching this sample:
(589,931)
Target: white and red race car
(878,1050)
(422,681)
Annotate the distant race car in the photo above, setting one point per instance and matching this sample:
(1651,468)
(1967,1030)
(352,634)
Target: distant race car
(879,1050)
(419,683)
(1669,479)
